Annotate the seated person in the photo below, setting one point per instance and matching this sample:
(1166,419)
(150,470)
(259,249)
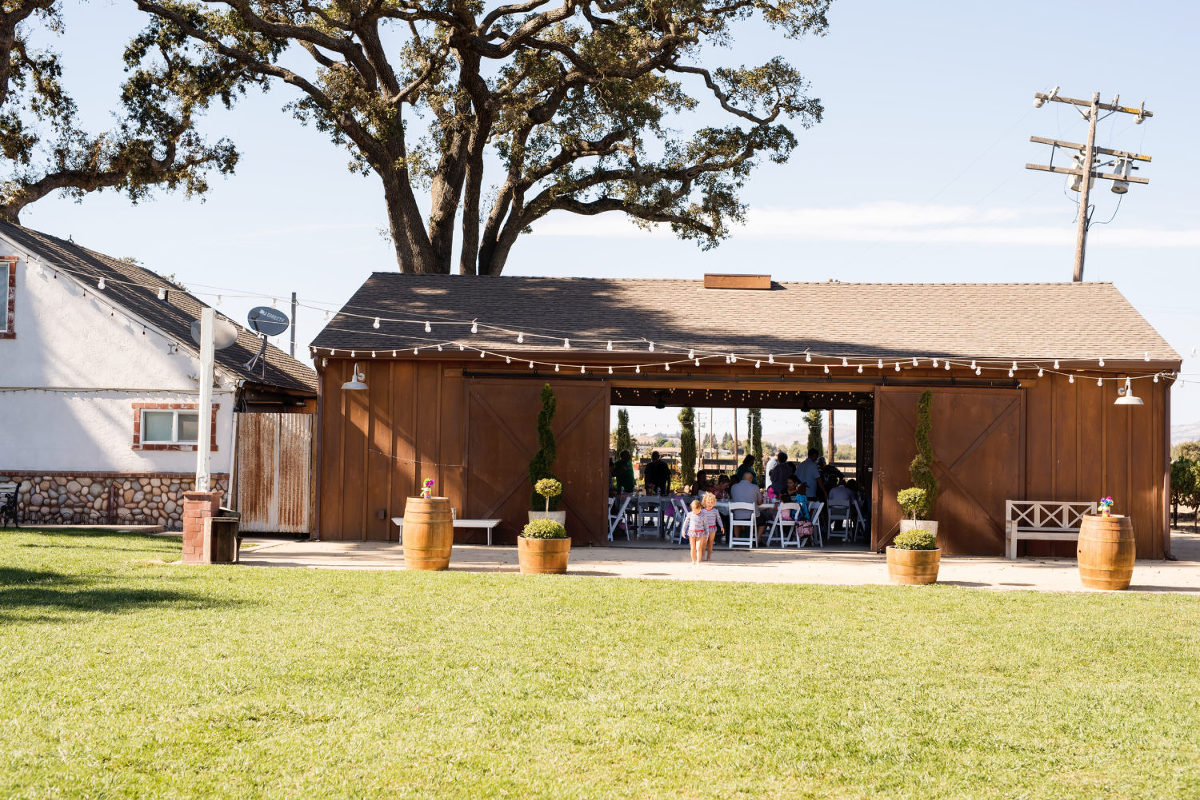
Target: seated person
(657,475)
(747,466)
(795,494)
(723,486)
(841,495)
(745,491)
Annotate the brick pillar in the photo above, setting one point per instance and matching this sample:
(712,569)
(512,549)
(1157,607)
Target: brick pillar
(198,506)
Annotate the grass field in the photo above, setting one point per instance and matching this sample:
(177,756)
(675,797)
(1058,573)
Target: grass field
(126,676)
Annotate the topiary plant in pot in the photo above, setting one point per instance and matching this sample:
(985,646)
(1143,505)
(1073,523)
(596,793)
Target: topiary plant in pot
(543,547)
(913,558)
(543,505)
(918,501)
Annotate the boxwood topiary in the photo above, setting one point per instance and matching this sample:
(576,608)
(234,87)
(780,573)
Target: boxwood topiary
(914,502)
(544,529)
(919,539)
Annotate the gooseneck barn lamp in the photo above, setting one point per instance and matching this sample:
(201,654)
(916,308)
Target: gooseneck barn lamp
(357,382)
(1126,397)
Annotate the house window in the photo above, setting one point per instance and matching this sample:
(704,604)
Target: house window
(8,296)
(170,427)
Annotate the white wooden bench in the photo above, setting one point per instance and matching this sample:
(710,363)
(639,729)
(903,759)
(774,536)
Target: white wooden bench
(489,524)
(1041,520)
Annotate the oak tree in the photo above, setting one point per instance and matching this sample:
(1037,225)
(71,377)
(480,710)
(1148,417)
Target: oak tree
(582,107)
(153,142)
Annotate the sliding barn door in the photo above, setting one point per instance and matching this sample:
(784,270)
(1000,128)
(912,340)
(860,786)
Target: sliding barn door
(502,438)
(979,461)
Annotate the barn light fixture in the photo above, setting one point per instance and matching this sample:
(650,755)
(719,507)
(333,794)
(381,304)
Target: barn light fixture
(357,382)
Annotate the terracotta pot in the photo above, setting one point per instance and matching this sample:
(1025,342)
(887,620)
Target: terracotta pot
(543,556)
(1106,551)
(913,567)
(428,533)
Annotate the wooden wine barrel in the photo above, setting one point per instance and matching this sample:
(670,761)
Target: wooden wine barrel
(1106,551)
(543,556)
(428,533)
(913,567)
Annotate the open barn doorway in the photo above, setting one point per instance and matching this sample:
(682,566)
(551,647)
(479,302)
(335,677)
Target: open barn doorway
(729,423)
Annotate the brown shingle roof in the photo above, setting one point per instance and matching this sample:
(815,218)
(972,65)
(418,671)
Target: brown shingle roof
(1024,321)
(126,285)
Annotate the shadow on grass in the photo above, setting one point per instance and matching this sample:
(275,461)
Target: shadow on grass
(26,590)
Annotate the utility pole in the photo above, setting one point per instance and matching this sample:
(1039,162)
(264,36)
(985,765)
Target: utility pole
(1085,167)
(292,352)
(829,435)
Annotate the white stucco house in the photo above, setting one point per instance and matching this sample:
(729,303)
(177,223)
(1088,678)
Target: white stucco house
(98,386)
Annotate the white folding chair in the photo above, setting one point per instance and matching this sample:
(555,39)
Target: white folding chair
(842,514)
(616,514)
(860,520)
(750,524)
(675,523)
(783,526)
(815,512)
(649,513)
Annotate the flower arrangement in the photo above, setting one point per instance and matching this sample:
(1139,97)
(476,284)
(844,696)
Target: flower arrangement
(427,491)
(1105,506)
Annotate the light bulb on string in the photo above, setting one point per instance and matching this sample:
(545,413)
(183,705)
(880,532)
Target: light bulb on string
(1071,379)
(757,364)
(375,324)
(556,367)
(791,367)
(531,365)
(327,315)
(566,344)
(583,370)
(808,357)
(520,338)
(1146,356)
(610,372)
(826,369)
(1056,363)
(372,354)
(691,353)
(1039,372)
(667,367)
(100,284)
(974,367)
(770,358)
(935,363)
(439,347)
(1101,361)
(609,347)
(1014,366)
(1010,373)
(461,347)
(946,364)
(1099,381)
(897,366)
(638,369)
(482,354)
(354,353)
(332,353)
(845,363)
(978,371)
(414,351)
(732,359)
(860,369)
(393,354)
(474,327)
(428,327)
(652,347)
(697,362)
(508,359)
(880,364)
(1156,377)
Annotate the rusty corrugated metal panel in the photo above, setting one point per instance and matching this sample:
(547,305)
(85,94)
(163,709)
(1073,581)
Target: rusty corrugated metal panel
(274,469)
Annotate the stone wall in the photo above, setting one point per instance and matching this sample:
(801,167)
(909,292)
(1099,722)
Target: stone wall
(105,498)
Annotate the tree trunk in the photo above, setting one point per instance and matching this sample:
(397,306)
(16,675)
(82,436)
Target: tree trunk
(414,253)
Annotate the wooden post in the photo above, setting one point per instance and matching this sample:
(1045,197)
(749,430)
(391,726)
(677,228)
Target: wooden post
(204,434)
(1084,190)
(735,440)
(832,444)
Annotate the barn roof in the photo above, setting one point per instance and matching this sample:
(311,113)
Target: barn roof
(1024,321)
(136,289)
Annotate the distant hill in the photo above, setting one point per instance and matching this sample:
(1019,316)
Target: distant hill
(1185,433)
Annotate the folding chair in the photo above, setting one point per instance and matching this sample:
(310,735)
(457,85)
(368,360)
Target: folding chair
(860,520)
(750,524)
(783,526)
(616,514)
(815,509)
(675,523)
(842,514)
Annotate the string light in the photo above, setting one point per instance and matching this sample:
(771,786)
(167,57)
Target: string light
(935,363)
(372,354)
(482,354)
(697,362)
(1071,379)
(826,369)
(880,364)
(375,324)
(791,367)
(610,344)
(1039,372)
(974,367)
(556,367)
(414,351)
(1101,361)
(979,371)
(947,363)
(638,369)
(520,338)
(1014,366)
(652,347)
(1156,377)
(1010,373)
(845,363)
(439,347)
(474,327)
(393,354)
(1056,363)
(566,344)
(508,359)
(691,353)
(1147,356)
(100,284)
(531,365)
(860,369)
(915,364)
(428,327)
(757,364)
(583,370)
(610,372)
(732,359)
(770,358)
(808,357)
(667,367)
(461,347)
(354,353)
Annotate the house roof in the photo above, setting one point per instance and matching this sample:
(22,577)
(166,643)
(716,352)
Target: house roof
(135,289)
(1022,321)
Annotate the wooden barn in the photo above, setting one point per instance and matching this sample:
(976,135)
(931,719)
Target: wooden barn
(1024,380)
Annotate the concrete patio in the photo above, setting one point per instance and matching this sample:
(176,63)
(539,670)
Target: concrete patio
(834,567)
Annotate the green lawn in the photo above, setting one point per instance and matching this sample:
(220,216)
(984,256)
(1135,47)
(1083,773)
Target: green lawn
(127,676)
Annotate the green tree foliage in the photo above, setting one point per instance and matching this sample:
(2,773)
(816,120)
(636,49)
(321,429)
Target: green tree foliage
(687,445)
(921,468)
(846,452)
(815,426)
(755,446)
(727,442)
(797,451)
(1188,450)
(1185,484)
(153,141)
(542,463)
(584,107)
(623,440)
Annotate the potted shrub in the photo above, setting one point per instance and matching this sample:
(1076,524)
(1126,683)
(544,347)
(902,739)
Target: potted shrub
(542,505)
(918,501)
(543,547)
(913,558)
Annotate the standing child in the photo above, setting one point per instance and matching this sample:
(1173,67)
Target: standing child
(694,530)
(712,524)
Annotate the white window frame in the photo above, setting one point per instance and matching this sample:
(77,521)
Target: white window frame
(175,413)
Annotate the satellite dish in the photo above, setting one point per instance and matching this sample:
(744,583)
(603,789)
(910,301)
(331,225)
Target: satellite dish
(267,321)
(225,333)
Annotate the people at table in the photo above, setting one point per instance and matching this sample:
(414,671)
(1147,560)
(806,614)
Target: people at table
(746,491)
(830,475)
(721,490)
(795,494)
(779,475)
(623,473)
(656,476)
(747,466)
(808,472)
(841,495)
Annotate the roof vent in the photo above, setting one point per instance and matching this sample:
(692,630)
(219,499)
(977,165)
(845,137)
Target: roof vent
(717,281)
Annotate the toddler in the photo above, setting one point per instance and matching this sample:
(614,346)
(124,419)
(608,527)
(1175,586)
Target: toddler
(695,531)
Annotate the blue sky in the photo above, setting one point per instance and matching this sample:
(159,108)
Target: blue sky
(916,174)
